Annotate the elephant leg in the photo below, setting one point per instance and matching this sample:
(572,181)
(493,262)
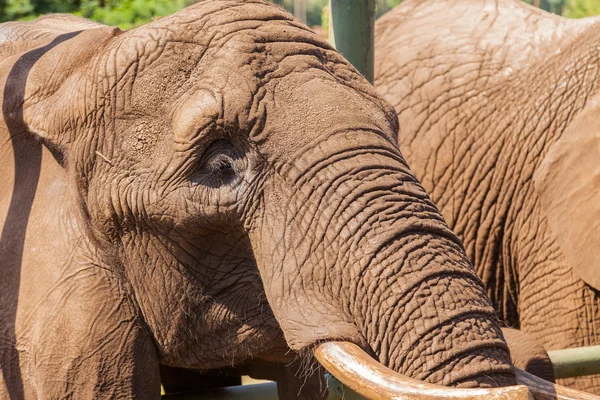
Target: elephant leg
(87,341)
(556,307)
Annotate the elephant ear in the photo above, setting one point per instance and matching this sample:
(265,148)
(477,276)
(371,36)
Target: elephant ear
(568,185)
(46,83)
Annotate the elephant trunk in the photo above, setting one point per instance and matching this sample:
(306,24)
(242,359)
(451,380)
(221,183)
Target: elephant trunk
(352,249)
(425,314)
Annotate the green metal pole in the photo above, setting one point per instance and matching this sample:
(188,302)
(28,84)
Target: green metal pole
(300,10)
(352,32)
(580,361)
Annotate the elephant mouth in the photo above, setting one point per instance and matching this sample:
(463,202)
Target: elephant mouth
(357,370)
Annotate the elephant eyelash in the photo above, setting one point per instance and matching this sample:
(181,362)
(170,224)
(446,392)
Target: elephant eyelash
(217,165)
(221,163)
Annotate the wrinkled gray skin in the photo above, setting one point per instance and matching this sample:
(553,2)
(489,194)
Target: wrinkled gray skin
(213,186)
(499,119)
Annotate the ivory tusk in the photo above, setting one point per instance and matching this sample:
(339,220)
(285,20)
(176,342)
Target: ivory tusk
(544,390)
(372,380)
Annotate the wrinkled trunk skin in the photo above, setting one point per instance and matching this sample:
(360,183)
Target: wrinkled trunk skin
(363,255)
(349,246)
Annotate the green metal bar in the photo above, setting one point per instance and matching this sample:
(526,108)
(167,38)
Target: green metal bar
(580,361)
(352,32)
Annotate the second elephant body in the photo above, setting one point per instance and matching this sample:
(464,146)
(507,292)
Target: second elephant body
(499,108)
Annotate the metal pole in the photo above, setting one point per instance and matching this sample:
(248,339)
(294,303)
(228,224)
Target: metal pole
(300,10)
(352,32)
(580,361)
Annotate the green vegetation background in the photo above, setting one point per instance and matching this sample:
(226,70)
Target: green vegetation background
(130,13)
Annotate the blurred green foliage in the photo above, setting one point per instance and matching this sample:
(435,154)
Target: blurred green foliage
(554,6)
(124,13)
(130,13)
(314,9)
(571,8)
(581,8)
(384,6)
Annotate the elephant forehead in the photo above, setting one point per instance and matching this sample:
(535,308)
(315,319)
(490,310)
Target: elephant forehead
(219,46)
(307,108)
(243,65)
(198,28)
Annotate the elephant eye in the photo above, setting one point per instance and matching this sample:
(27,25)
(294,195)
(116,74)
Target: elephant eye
(218,164)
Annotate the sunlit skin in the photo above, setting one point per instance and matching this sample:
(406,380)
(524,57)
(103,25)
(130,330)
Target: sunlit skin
(498,109)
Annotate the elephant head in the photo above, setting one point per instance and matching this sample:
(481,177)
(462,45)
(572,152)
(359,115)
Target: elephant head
(244,183)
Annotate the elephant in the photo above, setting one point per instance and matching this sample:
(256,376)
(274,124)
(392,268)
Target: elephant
(498,108)
(216,188)
(527,353)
